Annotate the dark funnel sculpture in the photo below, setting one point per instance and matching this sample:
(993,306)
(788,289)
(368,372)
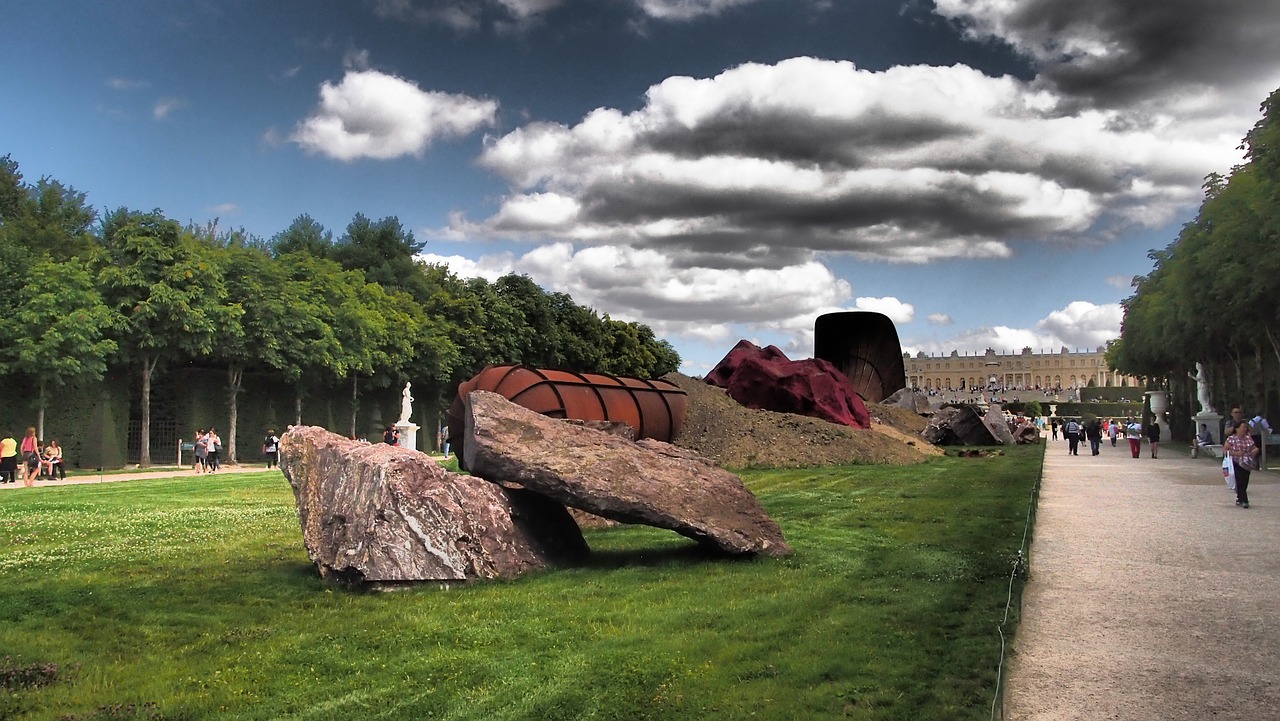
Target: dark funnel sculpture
(864,345)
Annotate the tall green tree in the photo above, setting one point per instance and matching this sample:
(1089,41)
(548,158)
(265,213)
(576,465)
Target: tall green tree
(634,351)
(266,308)
(167,294)
(310,349)
(1211,296)
(13,193)
(536,316)
(375,330)
(61,326)
(384,251)
(304,235)
(581,332)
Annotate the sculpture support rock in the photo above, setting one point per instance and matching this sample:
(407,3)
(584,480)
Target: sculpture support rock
(648,482)
(383,515)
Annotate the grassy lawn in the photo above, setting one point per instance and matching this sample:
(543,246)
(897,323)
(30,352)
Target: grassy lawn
(193,598)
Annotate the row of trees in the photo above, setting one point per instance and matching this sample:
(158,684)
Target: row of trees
(140,292)
(1214,293)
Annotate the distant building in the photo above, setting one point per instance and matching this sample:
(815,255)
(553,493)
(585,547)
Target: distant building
(1062,371)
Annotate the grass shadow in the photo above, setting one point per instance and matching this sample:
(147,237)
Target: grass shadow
(689,554)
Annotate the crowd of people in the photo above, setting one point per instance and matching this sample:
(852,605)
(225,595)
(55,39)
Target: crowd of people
(30,460)
(1241,445)
(1095,430)
(207,450)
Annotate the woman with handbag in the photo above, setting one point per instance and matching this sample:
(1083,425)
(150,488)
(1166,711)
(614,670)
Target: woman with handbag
(213,450)
(1244,453)
(30,456)
(200,450)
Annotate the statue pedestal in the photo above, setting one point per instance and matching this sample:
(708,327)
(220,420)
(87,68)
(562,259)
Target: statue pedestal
(408,435)
(1213,421)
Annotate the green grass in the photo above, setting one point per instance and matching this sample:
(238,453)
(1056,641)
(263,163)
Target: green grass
(193,598)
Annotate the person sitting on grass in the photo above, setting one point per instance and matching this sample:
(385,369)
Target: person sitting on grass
(52,463)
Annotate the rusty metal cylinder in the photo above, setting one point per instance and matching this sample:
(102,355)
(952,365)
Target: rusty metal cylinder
(653,408)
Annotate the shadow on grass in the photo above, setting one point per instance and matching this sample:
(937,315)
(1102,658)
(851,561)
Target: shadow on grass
(684,555)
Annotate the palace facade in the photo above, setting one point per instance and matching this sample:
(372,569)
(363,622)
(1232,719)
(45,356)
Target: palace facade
(1063,370)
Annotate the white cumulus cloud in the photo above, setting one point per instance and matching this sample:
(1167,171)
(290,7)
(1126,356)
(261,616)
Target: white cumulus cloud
(1084,324)
(699,303)
(773,163)
(896,310)
(370,114)
(1079,325)
(686,9)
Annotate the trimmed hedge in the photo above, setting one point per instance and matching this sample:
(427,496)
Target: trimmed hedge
(1080,410)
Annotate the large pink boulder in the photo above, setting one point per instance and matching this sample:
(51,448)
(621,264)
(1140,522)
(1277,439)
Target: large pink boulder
(765,378)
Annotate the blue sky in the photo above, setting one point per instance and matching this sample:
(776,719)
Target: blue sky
(987,174)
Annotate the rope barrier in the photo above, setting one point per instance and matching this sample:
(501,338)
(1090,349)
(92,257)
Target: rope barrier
(1021,566)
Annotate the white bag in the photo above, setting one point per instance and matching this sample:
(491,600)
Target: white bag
(1229,471)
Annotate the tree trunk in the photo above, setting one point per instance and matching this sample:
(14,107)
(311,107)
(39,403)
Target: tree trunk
(144,454)
(355,398)
(297,405)
(1236,364)
(235,379)
(1275,345)
(40,413)
(1259,384)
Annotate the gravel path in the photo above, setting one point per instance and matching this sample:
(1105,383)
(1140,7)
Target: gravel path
(1152,596)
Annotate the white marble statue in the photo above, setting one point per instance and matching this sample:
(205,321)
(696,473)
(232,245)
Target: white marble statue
(406,404)
(1202,388)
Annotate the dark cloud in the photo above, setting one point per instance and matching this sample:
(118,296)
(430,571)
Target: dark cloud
(1118,53)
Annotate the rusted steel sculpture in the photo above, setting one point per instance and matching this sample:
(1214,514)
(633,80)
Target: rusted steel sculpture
(864,345)
(653,408)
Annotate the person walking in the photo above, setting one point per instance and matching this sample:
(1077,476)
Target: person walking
(271,448)
(30,454)
(1133,432)
(1093,431)
(1244,454)
(1073,437)
(1153,435)
(1073,432)
(213,450)
(1053,425)
(200,450)
(32,463)
(1113,431)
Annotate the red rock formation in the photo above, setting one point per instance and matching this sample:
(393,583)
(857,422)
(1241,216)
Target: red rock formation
(764,378)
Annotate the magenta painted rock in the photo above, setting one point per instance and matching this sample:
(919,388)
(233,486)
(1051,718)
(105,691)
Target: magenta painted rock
(764,378)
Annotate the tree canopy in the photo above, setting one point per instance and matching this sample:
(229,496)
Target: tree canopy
(1213,295)
(136,290)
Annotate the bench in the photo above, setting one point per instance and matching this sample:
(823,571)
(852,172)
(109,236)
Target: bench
(1213,450)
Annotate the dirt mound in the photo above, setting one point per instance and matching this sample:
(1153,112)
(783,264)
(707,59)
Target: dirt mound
(734,436)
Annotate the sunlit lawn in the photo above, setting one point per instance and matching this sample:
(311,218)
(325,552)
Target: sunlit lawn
(193,598)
